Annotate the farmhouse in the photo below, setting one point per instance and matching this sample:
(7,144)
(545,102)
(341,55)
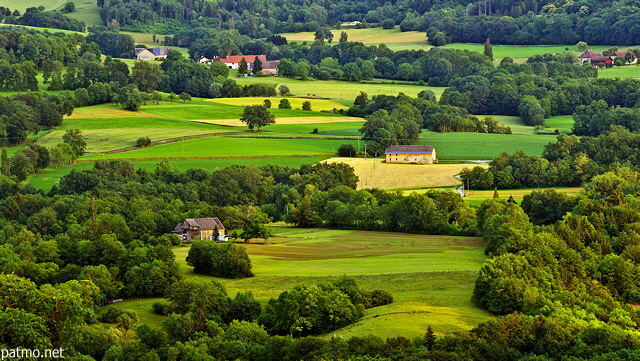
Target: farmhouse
(233,61)
(150,54)
(416,154)
(595,59)
(351,23)
(203,228)
(268,67)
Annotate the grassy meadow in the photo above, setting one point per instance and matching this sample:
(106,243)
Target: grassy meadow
(22,5)
(87,11)
(627,71)
(522,51)
(430,277)
(393,38)
(475,146)
(564,123)
(476,197)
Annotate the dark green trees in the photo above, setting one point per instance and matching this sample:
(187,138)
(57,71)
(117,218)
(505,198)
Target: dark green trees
(221,260)
(257,116)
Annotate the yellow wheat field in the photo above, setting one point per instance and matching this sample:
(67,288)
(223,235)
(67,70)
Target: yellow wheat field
(291,120)
(375,173)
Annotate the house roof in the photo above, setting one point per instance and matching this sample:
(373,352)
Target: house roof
(154,51)
(202,223)
(233,59)
(411,149)
(600,58)
(267,64)
(588,54)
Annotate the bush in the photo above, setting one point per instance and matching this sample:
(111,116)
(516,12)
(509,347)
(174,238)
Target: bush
(388,24)
(161,308)
(377,298)
(347,150)
(110,315)
(284,104)
(143,142)
(220,260)
(306,105)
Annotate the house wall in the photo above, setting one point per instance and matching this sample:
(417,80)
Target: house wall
(270,71)
(146,55)
(419,158)
(206,234)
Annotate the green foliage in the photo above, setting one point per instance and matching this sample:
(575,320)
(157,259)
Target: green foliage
(74,138)
(143,142)
(347,150)
(306,105)
(221,260)
(257,116)
(284,103)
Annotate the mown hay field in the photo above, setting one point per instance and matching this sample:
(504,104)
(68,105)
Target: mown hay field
(392,38)
(375,173)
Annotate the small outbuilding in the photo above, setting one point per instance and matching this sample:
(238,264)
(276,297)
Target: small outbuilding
(411,154)
(203,228)
(151,54)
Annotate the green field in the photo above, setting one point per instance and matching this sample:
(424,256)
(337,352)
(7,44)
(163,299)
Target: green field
(564,123)
(296,103)
(514,122)
(484,145)
(51,30)
(46,179)
(430,277)
(627,71)
(87,11)
(393,38)
(22,5)
(518,51)
(340,91)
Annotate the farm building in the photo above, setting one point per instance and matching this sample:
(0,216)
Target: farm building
(595,59)
(268,67)
(151,54)
(416,154)
(203,228)
(233,61)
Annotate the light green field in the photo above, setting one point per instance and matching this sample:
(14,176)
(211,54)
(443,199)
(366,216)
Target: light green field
(517,194)
(483,145)
(393,38)
(430,277)
(232,147)
(22,5)
(516,51)
(296,103)
(87,11)
(516,124)
(627,71)
(564,123)
(51,30)
(143,309)
(343,92)
(46,179)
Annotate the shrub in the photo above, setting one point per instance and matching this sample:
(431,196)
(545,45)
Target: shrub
(377,298)
(110,315)
(306,105)
(161,308)
(143,142)
(284,104)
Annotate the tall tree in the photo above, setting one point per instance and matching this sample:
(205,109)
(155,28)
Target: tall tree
(257,116)
(147,75)
(257,66)
(243,67)
(488,49)
(74,138)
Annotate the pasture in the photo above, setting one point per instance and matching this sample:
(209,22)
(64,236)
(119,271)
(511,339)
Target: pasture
(375,173)
(430,277)
(340,91)
(392,38)
(476,197)
(227,147)
(622,72)
(522,51)
(564,123)
(87,11)
(22,5)
(479,146)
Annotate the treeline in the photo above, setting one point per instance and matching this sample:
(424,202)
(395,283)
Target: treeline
(568,162)
(37,16)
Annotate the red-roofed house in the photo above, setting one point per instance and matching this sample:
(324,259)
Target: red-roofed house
(232,61)
(595,59)
(417,154)
(628,59)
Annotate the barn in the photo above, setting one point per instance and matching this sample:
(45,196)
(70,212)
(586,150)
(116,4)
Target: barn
(413,154)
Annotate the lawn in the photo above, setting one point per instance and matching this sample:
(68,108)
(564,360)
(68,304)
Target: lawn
(627,71)
(375,173)
(143,309)
(483,145)
(393,38)
(516,124)
(46,179)
(430,277)
(564,123)
(22,5)
(341,91)
(522,51)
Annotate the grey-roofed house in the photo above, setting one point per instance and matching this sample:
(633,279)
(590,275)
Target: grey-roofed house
(415,154)
(203,228)
(151,54)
